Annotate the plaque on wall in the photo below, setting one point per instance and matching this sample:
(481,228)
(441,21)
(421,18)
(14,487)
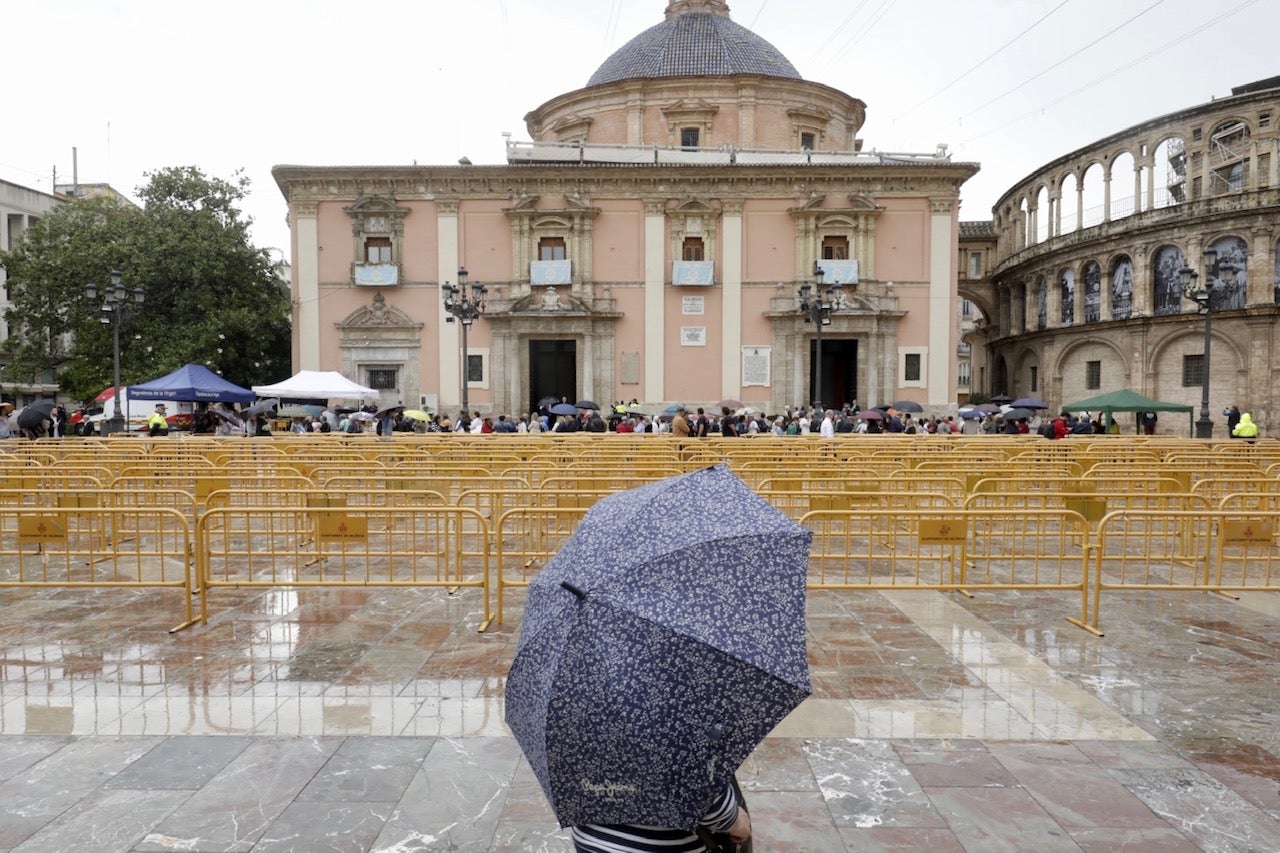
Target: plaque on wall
(756,365)
(629,368)
(693,305)
(693,336)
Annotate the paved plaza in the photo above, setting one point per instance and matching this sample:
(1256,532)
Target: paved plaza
(371,719)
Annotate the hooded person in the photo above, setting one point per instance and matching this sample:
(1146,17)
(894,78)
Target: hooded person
(1246,428)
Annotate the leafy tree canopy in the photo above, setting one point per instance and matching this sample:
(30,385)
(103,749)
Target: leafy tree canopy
(210,296)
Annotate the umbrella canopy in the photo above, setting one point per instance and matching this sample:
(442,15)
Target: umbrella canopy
(1001,399)
(908,406)
(1029,403)
(587,404)
(730,404)
(658,648)
(299,410)
(637,410)
(987,408)
(564,409)
(417,415)
(672,409)
(548,402)
(364,417)
(1019,414)
(261,407)
(970,414)
(32,416)
(871,415)
(389,410)
(229,417)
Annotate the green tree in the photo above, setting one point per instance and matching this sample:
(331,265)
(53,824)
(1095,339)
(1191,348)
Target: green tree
(211,297)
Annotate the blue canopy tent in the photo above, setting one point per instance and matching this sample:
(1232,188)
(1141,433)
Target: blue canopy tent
(192,383)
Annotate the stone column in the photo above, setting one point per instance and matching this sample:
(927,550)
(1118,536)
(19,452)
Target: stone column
(307,270)
(940,374)
(1262,271)
(655,226)
(449,344)
(731,313)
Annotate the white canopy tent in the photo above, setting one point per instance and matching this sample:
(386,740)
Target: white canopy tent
(316,385)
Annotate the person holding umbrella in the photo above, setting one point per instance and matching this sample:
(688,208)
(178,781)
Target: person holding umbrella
(657,649)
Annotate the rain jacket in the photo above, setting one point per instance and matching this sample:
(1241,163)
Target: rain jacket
(1246,428)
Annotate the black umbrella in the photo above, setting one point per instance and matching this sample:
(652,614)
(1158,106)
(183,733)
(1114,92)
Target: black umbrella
(1001,399)
(32,416)
(587,404)
(870,415)
(390,410)
(908,406)
(658,648)
(262,407)
(1019,415)
(1029,403)
(229,417)
(548,402)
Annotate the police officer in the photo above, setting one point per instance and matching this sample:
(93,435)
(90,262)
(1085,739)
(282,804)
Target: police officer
(156,424)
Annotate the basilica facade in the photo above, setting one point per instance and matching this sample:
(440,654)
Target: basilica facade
(650,241)
(1096,258)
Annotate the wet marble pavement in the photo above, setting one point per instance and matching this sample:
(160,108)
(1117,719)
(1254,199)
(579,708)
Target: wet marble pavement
(372,720)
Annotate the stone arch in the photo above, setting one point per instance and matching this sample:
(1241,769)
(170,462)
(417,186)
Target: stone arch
(1091,279)
(1024,359)
(1091,205)
(1121,290)
(1043,211)
(1163,363)
(1228,281)
(1042,302)
(1069,203)
(1067,295)
(1070,368)
(1165,264)
(1169,170)
(1124,201)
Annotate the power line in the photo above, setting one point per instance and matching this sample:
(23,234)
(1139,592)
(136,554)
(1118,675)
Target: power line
(836,32)
(752,26)
(1067,58)
(1113,72)
(984,61)
(880,12)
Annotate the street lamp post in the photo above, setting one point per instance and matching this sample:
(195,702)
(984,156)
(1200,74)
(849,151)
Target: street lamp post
(466,303)
(816,304)
(118,303)
(1203,296)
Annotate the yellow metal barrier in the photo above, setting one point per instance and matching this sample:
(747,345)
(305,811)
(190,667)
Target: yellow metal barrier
(332,544)
(525,538)
(950,549)
(86,545)
(1216,551)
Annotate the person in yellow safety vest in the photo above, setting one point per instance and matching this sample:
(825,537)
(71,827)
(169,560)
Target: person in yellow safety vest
(156,424)
(1246,428)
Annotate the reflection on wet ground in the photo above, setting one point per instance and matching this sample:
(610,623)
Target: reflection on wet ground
(372,720)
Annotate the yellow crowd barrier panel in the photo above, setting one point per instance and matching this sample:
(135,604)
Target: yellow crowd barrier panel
(330,543)
(1221,551)
(78,543)
(951,549)
(525,539)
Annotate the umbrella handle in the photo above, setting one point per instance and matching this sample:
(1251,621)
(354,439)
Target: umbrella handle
(573,589)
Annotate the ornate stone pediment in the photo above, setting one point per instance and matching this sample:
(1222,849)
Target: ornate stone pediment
(376,214)
(571,128)
(378,314)
(550,302)
(687,111)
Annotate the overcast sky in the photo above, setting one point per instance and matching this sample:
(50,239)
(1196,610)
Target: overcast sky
(137,85)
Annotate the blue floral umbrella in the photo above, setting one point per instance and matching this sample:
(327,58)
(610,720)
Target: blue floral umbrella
(658,648)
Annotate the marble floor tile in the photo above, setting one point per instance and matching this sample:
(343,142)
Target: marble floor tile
(372,719)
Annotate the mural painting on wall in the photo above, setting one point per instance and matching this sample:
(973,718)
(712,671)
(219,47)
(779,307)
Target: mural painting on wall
(1042,303)
(1122,289)
(1092,292)
(1167,294)
(1228,280)
(1068,282)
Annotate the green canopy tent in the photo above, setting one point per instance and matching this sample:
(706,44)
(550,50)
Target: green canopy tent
(1125,400)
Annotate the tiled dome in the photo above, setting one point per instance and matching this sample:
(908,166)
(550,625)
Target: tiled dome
(694,45)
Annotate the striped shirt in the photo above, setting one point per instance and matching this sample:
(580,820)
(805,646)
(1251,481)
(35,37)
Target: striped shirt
(619,838)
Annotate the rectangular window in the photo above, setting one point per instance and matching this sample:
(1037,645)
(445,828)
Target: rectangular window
(475,368)
(806,141)
(382,378)
(962,377)
(1093,375)
(966,308)
(377,250)
(689,138)
(975,265)
(1035,379)
(1192,370)
(835,248)
(911,367)
(551,249)
(692,249)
